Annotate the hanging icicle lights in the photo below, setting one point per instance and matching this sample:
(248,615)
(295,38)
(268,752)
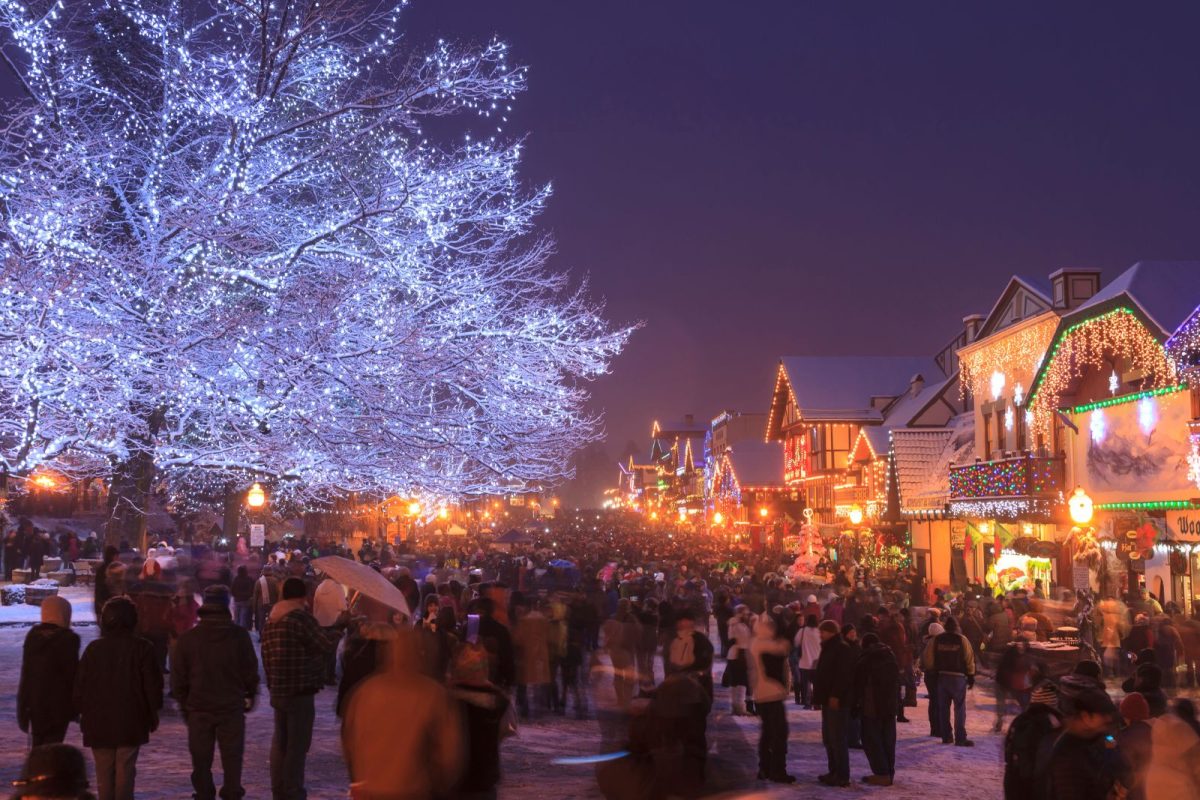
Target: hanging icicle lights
(1013,354)
(1092,344)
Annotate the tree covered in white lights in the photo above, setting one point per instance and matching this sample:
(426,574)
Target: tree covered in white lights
(231,247)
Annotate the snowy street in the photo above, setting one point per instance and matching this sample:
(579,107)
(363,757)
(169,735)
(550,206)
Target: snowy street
(925,766)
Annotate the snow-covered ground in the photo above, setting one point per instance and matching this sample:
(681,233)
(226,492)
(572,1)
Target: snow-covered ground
(80,598)
(926,768)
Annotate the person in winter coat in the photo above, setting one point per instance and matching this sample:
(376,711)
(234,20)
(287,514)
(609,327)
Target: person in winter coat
(1081,764)
(242,590)
(1016,675)
(1168,650)
(1174,771)
(1134,741)
(622,634)
(531,640)
(266,594)
(35,553)
(808,649)
(495,636)
(950,656)
(772,683)
(401,736)
(690,651)
(876,700)
(118,694)
(833,691)
(48,663)
(737,669)
(101,590)
(1039,723)
(481,707)
(294,649)
(1147,681)
(363,656)
(214,677)
(894,633)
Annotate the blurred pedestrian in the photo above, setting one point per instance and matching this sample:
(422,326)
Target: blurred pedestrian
(118,694)
(772,678)
(876,703)
(833,686)
(1038,723)
(53,772)
(401,737)
(482,707)
(214,677)
(49,661)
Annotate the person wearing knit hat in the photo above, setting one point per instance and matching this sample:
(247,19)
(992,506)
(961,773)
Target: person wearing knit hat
(48,663)
(833,692)
(1134,708)
(935,629)
(1039,722)
(53,772)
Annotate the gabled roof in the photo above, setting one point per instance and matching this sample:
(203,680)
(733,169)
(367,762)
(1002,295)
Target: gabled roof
(1166,292)
(840,388)
(922,459)
(1039,289)
(757,463)
(900,414)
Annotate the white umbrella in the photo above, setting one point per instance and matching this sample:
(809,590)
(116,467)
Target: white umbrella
(363,579)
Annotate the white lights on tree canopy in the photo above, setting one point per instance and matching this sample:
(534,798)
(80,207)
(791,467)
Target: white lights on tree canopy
(221,261)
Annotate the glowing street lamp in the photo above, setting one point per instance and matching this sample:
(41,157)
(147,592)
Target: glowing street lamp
(856,516)
(763,512)
(718,518)
(1080,507)
(256,497)
(44,481)
(414,508)
(443,513)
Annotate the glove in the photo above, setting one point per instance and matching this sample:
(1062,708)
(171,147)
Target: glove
(970,681)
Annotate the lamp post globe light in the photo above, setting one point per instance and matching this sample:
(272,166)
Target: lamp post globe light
(256,497)
(856,516)
(1080,507)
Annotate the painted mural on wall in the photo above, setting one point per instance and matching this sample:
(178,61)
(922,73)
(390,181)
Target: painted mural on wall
(1136,450)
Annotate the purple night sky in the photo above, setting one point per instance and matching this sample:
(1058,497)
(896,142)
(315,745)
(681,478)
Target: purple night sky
(782,177)
(765,178)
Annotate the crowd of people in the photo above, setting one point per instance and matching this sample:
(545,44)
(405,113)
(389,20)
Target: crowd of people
(602,620)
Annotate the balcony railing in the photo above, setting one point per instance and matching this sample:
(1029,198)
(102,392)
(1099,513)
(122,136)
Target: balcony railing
(1024,476)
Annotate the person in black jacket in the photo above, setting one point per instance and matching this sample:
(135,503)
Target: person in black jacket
(497,639)
(214,677)
(48,665)
(118,693)
(1039,723)
(482,706)
(833,686)
(242,590)
(876,702)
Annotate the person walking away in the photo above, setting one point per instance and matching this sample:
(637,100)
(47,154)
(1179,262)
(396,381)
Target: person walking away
(36,552)
(931,683)
(648,642)
(1016,675)
(1083,761)
(364,655)
(242,589)
(294,649)
(808,649)
(531,640)
(482,707)
(1134,741)
(723,612)
(49,661)
(214,678)
(1038,724)
(621,635)
(894,633)
(1174,771)
(101,589)
(772,683)
(951,656)
(329,602)
(496,638)
(1168,650)
(737,671)
(876,702)
(401,736)
(833,686)
(53,772)
(850,635)
(118,693)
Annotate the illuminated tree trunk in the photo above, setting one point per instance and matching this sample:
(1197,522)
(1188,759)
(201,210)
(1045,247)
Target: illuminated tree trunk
(132,479)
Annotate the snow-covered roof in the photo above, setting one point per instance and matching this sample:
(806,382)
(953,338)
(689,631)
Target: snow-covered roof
(1167,291)
(923,457)
(901,413)
(827,387)
(757,463)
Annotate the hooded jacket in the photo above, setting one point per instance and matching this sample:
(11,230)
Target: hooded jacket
(835,673)
(877,682)
(214,668)
(118,689)
(48,664)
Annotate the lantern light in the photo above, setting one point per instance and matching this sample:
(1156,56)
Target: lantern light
(256,497)
(414,508)
(856,516)
(718,518)
(763,512)
(1080,507)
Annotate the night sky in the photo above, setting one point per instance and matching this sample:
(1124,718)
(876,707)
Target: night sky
(757,178)
(754,179)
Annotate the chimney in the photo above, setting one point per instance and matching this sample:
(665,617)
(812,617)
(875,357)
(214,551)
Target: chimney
(971,325)
(1071,287)
(916,384)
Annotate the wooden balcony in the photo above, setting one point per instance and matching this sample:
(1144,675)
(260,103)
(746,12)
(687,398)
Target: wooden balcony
(1019,486)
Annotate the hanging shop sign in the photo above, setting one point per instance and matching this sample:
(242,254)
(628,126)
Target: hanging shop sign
(1179,563)
(1184,526)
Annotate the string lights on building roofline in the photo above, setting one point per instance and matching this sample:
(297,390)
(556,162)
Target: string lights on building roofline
(1184,349)
(1012,353)
(1091,344)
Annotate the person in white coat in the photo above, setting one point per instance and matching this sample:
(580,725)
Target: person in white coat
(808,646)
(1174,772)
(772,683)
